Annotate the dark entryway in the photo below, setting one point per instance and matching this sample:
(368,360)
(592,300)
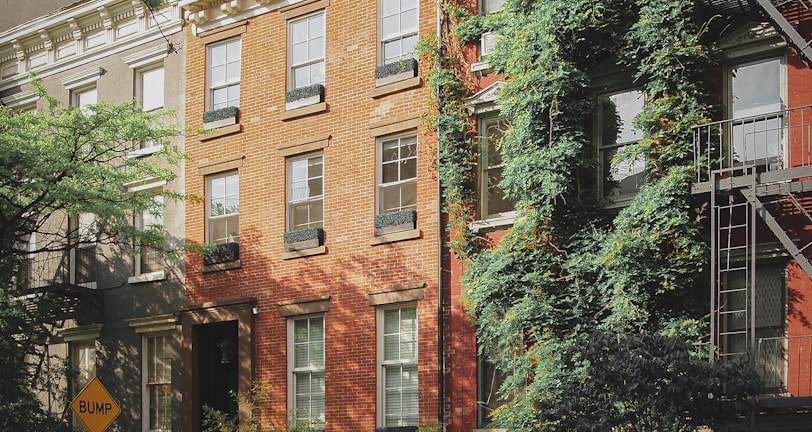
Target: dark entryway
(218,366)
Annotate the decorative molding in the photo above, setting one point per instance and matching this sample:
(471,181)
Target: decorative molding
(303,146)
(81,333)
(301,112)
(302,8)
(395,86)
(20,100)
(394,125)
(206,167)
(82,78)
(484,100)
(147,56)
(395,237)
(154,323)
(396,294)
(304,306)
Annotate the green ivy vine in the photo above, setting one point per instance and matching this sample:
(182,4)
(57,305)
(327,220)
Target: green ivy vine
(573,288)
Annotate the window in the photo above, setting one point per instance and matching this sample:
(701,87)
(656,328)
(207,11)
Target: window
(83,98)
(306,191)
(151,89)
(488,39)
(306,36)
(489,381)
(755,99)
(616,113)
(149,258)
(397,352)
(84,231)
(398,29)
(158,383)
(224,74)
(493,203)
(306,366)
(222,208)
(397,184)
(83,364)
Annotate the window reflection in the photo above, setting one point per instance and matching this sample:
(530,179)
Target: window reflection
(617,112)
(755,103)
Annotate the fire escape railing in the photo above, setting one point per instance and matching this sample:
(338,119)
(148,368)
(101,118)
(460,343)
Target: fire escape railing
(771,142)
(785,365)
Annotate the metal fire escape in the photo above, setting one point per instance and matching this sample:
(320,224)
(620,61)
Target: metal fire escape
(785,15)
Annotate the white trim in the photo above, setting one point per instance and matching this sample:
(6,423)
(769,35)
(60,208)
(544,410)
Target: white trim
(500,220)
(21,99)
(153,324)
(145,184)
(147,56)
(380,420)
(147,277)
(146,151)
(81,333)
(82,79)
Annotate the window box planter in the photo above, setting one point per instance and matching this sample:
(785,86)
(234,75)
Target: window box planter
(220,117)
(304,96)
(305,238)
(222,253)
(392,222)
(394,72)
(397,429)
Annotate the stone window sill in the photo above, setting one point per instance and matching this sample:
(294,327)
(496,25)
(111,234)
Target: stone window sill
(304,252)
(396,237)
(216,133)
(147,277)
(396,87)
(221,266)
(304,111)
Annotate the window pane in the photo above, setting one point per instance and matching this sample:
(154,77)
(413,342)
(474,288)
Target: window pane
(408,20)
(390,7)
(152,89)
(298,31)
(218,75)
(408,169)
(218,55)
(757,88)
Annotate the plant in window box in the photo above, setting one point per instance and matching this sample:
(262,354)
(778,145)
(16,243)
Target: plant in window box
(304,96)
(220,117)
(397,429)
(394,72)
(221,253)
(396,221)
(304,238)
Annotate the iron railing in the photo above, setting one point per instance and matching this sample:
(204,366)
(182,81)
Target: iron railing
(770,142)
(785,365)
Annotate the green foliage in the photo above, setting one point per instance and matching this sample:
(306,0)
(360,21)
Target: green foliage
(589,310)
(395,218)
(57,162)
(305,92)
(394,68)
(220,114)
(260,417)
(304,234)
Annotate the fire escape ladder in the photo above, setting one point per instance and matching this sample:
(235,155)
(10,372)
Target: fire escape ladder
(797,253)
(801,46)
(732,268)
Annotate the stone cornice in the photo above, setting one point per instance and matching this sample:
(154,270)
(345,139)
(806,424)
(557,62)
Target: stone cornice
(73,36)
(210,14)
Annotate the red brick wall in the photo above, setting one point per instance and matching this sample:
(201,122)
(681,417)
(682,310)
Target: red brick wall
(351,266)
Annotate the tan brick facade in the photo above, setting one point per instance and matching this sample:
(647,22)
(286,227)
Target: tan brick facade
(352,262)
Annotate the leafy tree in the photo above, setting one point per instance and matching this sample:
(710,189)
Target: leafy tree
(57,162)
(592,313)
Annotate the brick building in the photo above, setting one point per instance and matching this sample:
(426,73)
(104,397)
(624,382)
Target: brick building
(320,206)
(119,322)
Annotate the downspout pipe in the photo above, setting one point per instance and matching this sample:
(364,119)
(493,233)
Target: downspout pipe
(440,233)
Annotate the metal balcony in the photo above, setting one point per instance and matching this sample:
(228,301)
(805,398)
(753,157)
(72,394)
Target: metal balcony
(778,145)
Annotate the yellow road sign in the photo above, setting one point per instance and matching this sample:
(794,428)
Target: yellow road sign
(94,406)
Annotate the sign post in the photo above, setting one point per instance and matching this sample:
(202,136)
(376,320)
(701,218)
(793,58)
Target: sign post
(94,406)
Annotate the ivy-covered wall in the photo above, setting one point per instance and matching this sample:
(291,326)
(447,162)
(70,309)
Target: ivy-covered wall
(592,311)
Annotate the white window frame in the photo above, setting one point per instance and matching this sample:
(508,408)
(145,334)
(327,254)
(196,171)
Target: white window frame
(311,60)
(293,196)
(85,229)
(488,39)
(310,369)
(381,186)
(781,153)
(209,218)
(603,148)
(82,97)
(484,122)
(228,82)
(385,365)
(150,380)
(151,217)
(385,37)
(81,362)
